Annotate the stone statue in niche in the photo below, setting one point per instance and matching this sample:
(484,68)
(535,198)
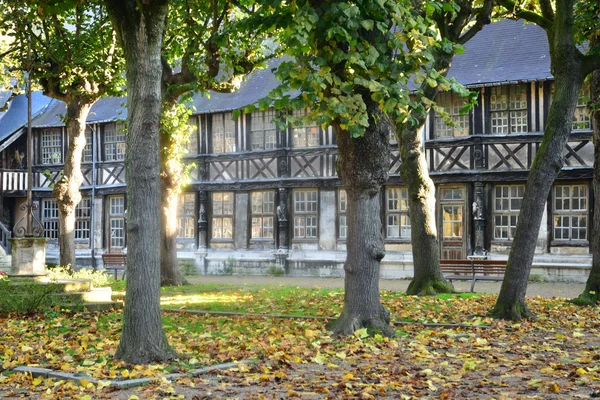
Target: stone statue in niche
(281,213)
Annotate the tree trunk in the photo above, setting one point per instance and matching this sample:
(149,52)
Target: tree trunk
(171,153)
(363,165)
(140,28)
(591,293)
(428,278)
(567,70)
(66,190)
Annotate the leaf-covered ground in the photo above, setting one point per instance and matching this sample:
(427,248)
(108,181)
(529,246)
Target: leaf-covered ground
(555,356)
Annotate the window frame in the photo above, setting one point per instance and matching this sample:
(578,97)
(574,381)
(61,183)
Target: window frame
(185,218)
(304,132)
(223,215)
(229,137)
(117,142)
(509,213)
(51,149)
(50,218)
(119,217)
(453,111)
(400,211)
(509,108)
(83,221)
(342,207)
(266,125)
(262,215)
(304,214)
(582,213)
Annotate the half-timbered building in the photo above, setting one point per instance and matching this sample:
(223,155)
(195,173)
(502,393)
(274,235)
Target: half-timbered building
(261,196)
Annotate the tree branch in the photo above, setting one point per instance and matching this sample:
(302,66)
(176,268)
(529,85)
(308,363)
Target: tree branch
(547,10)
(483,18)
(530,16)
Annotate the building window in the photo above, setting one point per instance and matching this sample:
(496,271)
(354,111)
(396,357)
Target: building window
(570,212)
(222,218)
(51,146)
(508,109)
(186,216)
(263,208)
(305,214)
(87,150)
(263,132)
(507,205)
(116,221)
(342,220)
(50,218)
(451,103)
(223,133)
(582,119)
(191,146)
(307,135)
(114,142)
(398,222)
(83,217)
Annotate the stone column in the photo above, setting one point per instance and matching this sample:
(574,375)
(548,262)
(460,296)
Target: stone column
(202,232)
(28,256)
(240,234)
(283,224)
(479,206)
(327,239)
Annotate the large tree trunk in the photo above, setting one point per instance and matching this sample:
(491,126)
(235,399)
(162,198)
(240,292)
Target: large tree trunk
(591,293)
(363,165)
(140,27)
(66,190)
(171,180)
(428,278)
(567,70)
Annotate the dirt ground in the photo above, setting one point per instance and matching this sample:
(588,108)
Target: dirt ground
(567,290)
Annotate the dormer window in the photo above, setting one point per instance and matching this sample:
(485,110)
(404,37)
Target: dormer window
(508,109)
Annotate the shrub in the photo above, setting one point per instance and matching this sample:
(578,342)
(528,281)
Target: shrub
(98,278)
(26,296)
(274,270)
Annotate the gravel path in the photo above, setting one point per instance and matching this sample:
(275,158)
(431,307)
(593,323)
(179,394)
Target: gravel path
(568,290)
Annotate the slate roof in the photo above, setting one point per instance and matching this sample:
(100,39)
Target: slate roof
(505,51)
(16,116)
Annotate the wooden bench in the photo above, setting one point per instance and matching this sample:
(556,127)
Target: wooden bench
(473,270)
(115,263)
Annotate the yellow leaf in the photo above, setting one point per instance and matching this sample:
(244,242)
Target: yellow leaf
(554,388)
(133,397)
(341,355)
(580,371)
(87,363)
(578,334)
(26,348)
(348,376)
(319,359)
(103,384)
(125,373)
(37,381)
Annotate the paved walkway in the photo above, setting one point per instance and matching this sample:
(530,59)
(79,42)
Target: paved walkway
(568,290)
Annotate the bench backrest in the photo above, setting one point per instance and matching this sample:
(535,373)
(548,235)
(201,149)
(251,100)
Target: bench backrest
(456,266)
(115,259)
(489,267)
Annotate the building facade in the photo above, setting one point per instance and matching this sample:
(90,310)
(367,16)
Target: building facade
(261,197)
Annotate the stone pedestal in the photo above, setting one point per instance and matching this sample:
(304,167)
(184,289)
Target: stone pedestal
(28,256)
